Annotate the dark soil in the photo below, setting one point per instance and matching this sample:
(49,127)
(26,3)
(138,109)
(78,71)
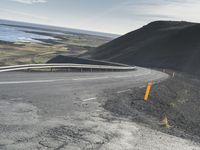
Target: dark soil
(78,60)
(178,98)
(161,44)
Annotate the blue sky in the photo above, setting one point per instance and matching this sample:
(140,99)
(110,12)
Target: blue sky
(112,16)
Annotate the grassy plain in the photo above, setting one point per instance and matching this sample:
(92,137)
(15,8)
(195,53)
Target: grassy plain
(65,44)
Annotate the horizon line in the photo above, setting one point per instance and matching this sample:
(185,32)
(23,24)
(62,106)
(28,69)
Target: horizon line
(64,27)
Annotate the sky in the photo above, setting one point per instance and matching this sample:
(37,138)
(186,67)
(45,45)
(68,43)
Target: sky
(110,16)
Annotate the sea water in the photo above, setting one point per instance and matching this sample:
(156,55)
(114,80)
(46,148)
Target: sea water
(19,34)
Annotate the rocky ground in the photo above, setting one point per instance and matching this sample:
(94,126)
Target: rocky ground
(84,130)
(177,98)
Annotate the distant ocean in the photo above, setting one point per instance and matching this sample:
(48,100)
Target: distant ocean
(13,31)
(19,34)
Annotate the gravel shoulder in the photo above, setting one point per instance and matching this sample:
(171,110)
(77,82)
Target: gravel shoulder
(177,98)
(92,130)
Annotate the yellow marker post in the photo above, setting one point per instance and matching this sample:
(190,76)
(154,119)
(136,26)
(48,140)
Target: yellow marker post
(148,91)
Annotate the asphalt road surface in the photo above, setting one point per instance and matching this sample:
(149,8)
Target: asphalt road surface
(63,111)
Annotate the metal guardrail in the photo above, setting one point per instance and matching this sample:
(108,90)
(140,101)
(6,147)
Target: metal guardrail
(63,66)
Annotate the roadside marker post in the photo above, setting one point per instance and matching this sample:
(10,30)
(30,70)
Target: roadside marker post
(173,75)
(146,96)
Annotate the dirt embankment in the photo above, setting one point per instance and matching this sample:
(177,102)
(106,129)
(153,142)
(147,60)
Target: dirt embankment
(178,98)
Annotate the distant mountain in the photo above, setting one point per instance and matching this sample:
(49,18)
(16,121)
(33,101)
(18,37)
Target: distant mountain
(54,28)
(160,44)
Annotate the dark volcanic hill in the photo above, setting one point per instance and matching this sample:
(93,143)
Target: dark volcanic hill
(78,60)
(161,44)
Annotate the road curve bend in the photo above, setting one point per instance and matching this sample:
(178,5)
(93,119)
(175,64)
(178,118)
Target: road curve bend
(62,110)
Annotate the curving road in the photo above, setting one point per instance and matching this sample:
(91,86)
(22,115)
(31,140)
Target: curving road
(55,93)
(61,110)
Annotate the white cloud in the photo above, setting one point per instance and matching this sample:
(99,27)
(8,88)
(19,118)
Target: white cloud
(134,14)
(30,1)
(121,17)
(15,15)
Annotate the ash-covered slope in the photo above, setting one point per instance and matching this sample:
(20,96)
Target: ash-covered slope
(78,60)
(161,44)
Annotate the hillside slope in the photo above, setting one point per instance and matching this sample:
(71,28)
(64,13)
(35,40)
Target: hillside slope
(160,44)
(78,60)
